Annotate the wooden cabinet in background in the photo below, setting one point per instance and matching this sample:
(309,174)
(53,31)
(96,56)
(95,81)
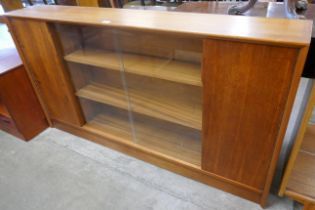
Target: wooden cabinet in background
(9,5)
(208,97)
(20,112)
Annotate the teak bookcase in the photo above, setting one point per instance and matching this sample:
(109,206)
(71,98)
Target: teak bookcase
(205,96)
(299,178)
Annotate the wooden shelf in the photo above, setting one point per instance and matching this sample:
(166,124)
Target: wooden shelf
(159,136)
(145,103)
(172,70)
(302,179)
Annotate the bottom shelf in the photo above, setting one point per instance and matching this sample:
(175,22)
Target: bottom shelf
(160,136)
(302,179)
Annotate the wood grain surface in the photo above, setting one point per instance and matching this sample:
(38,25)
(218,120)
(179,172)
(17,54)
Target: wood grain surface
(3,110)
(244,101)
(261,9)
(26,118)
(168,69)
(309,206)
(156,135)
(88,3)
(304,143)
(308,144)
(253,29)
(302,179)
(9,5)
(164,161)
(146,103)
(47,70)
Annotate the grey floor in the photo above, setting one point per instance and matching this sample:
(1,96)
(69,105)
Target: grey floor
(57,170)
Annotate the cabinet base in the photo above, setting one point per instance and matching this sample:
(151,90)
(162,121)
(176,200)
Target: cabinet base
(166,162)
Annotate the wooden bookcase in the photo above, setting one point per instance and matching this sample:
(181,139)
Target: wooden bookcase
(299,178)
(208,97)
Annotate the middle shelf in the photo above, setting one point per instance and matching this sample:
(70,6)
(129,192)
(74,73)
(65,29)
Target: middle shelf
(144,103)
(162,68)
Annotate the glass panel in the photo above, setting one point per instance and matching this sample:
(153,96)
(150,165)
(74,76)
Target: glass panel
(308,143)
(311,100)
(139,87)
(95,70)
(162,75)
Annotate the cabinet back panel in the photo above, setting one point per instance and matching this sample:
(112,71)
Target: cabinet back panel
(161,45)
(154,44)
(184,94)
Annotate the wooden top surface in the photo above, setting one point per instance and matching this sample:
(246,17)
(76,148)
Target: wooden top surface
(279,31)
(221,7)
(277,10)
(260,9)
(9,59)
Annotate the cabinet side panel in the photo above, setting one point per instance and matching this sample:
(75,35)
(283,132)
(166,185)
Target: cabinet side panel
(46,68)
(246,87)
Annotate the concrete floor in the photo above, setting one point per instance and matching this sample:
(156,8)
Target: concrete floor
(57,170)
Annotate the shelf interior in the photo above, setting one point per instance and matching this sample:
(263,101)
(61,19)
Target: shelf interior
(145,102)
(302,179)
(159,136)
(162,68)
(144,89)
